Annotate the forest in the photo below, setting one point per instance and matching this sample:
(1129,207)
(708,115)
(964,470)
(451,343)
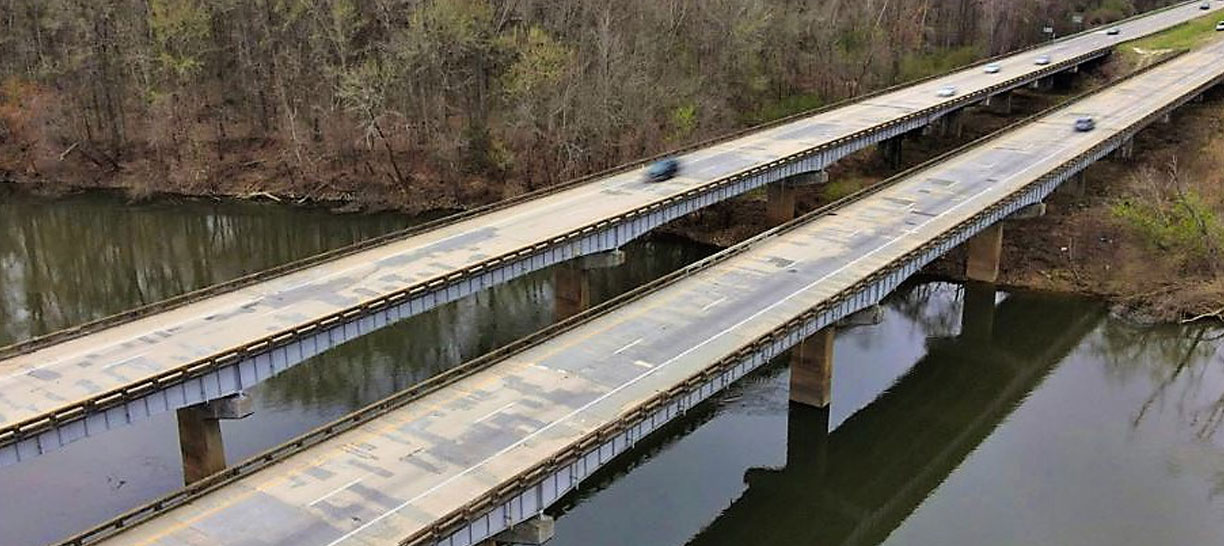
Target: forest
(472,100)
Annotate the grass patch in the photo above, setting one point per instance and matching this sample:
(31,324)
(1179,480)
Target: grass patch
(1183,37)
(839,187)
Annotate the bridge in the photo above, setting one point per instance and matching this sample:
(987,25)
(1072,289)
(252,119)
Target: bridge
(485,448)
(196,354)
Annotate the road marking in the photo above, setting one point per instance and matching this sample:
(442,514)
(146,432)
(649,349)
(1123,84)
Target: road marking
(626,347)
(713,303)
(643,364)
(672,360)
(495,412)
(334,491)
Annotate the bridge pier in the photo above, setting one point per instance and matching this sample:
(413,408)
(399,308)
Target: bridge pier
(1126,150)
(199,429)
(985,250)
(999,104)
(807,439)
(891,150)
(572,282)
(978,311)
(1076,186)
(533,532)
(780,196)
(811,370)
(1042,84)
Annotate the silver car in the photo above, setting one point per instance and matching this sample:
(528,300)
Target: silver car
(1042,60)
(946,91)
(992,68)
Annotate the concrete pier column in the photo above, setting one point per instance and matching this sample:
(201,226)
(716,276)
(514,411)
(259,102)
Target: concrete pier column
(1076,186)
(952,124)
(1042,84)
(780,196)
(533,532)
(1126,150)
(572,282)
(978,311)
(985,250)
(891,150)
(1000,104)
(811,370)
(780,203)
(199,429)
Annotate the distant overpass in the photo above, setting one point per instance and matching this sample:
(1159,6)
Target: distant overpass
(67,386)
(490,445)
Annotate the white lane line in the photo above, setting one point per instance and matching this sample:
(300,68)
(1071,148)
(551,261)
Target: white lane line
(713,303)
(643,364)
(495,412)
(635,380)
(334,491)
(626,347)
(124,361)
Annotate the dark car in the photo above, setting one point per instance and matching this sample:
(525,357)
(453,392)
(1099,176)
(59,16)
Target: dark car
(662,169)
(1085,124)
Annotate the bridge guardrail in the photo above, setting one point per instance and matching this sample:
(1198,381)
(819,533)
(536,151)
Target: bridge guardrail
(67,334)
(18,431)
(483,362)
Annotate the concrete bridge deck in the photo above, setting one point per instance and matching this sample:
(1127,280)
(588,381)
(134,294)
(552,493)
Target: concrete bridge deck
(494,448)
(200,351)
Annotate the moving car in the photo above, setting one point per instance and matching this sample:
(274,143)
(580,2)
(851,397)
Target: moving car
(1085,124)
(1220,26)
(1205,5)
(1113,31)
(946,91)
(992,68)
(663,169)
(1044,59)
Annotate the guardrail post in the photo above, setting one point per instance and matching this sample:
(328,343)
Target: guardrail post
(985,250)
(572,282)
(811,370)
(977,312)
(199,429)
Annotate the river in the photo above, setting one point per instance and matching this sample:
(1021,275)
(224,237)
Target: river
(1057,424)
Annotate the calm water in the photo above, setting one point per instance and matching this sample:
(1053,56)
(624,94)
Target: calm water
(1042,422)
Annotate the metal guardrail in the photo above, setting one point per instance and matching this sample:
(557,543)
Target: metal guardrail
(433,384)
(59,336)
(32,427)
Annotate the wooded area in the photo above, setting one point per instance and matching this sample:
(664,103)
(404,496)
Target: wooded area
(402,94)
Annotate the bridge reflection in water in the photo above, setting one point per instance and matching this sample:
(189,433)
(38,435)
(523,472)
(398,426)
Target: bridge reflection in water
(858,483)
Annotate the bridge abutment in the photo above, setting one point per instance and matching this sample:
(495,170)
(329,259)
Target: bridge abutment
(200,440)
(572,282)
(811,370)
(985,251)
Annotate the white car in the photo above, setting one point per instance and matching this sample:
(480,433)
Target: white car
(1043,60)
(946,91)
(992,68)
(1220,26)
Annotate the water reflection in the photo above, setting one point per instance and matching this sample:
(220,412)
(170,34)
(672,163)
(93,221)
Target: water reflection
(68,261)
(856,484)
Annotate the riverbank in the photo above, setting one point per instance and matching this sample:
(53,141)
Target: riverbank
(1145,234)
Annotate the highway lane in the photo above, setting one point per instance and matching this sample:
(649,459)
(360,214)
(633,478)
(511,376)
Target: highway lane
(396,475)
(44,381)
